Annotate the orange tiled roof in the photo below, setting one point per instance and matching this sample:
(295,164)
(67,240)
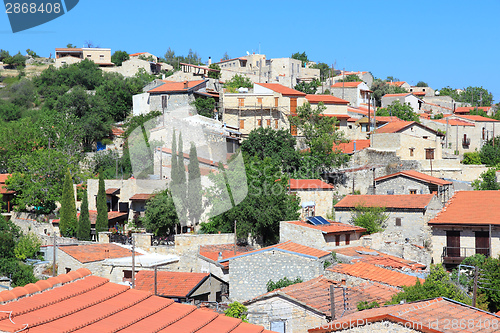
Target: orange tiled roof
(116,131)
(226,250)
(93,216)
(467,109)
(170,86)
(141,196)
(3,178)
(403,201)
(96,252)
(308,184)
(333,228)
(395,126)
(136,54)
(285,91)
(454,122)
(396,83)
(346,84)
(93,304)
(477,118)
(315,293)
(387,119)
(417,175)
(470,207)
(418,93)
(68,49)
(373,273)
(112,191)
(170,284)
(326,99)
(421,316)
(348,148)
(397,95)
(366,255)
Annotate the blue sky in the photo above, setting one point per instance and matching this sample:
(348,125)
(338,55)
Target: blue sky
(444,43)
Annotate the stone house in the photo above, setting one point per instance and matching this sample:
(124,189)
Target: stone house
(432,315)
(131,67)
(401,84)
(404,98)
(367,77)
(145,55)
(167,96)
(68,56)
(353,146)
(413,182)
(407,214)
(300,306)
(268,105)
(315,195)
(209,257)
(465,110)
(405,146)
(325,237)
(250,272)
(357,93)
(422,91)
(182,286)
(469,224)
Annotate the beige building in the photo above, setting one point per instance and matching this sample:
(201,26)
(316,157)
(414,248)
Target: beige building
(144,56)
(407,147)
(405,98)
(357,93)
(68,56)
(315,195)
(268,105)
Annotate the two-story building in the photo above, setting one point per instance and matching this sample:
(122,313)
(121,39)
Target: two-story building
(357,93)
(68,56)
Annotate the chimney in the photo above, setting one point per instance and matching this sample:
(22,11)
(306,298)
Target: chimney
(220,256)
(354,145)
(185,84)
(209,61)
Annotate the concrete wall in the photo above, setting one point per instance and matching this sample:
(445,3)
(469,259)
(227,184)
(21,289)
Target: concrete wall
(68,60)
(297,318)
(97,55)
(248,275)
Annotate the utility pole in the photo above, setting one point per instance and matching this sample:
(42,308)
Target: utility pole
(474,293)
(343,82)
(133,261)
(156,280)
(332,301)
(234,237)
(54,257)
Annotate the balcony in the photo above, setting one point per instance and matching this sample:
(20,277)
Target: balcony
(466,142)
(455,255)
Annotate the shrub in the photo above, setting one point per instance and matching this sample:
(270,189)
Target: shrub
(282,283)
(472,158)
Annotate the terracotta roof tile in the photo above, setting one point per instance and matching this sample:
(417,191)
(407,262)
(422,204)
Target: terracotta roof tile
(96,252)
(366,255)
(308,184)
(285,91)
(394,127)
(226,250)
(454,122)
(93,216)
(333,228)
(405,201)
(418,93)
(171,284)
(92,304)
(141,197)
(397,95)
(112,191)
(419,315)
(373,273)
(468,109)
(326,99)
(3,188)
(477,118)
(170,86)
(346,84)
(470,207)
(136,54)
(416,175)
(348,148)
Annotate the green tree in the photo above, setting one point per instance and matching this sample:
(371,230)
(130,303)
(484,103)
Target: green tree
(28,246)
(160,217)
(487,181)
(402,111)
(238,81)
(490,152)
(282,283)
(279,145)
(437,284)
(306,87)
(20,273)
(351,78)
(68,224)
(422,84)
(205,106)
(101,223)
(214,75)
(9,236)
(225,57)
(4,54)
(15,61)
(302,57)
(178,185)
(237,310)
(325,71)
(475,96)
(70,46)
(194,191)
(84,225)
(381,88)
(373,219)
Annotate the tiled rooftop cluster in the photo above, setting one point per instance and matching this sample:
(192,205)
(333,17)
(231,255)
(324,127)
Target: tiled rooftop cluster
(171,284)
(369,256)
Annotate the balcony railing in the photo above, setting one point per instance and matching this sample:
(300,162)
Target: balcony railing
(456,254)
(466,142)
(163,240)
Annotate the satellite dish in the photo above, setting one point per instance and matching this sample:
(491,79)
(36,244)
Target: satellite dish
(436,92)
(248,53)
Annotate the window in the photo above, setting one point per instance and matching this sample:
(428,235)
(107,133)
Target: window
(276,123)
(268,122)
(164,102)
(242,124)
(429,153)
(398,221)
(413,191)
(101,56)
(259,100)
(293,130)
(68,270)
(241,102)
(259,122)
(390,192)
(425,137)
(412,151)
(347,239)
(276,102)
(278,326)
(337,240)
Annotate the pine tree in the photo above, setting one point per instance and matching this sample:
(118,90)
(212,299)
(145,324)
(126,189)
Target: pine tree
(194,195)
(101,223)
(68,222)
(84,221)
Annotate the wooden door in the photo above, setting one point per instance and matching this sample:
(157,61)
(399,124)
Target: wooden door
(483,242)
(293,106)
(453,243)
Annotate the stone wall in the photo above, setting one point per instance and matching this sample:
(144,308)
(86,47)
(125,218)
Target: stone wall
(322,198)
(348,94)
(248,275)
(295,316)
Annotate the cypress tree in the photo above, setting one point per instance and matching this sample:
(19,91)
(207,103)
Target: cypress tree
(173,168)
(68,222)
(181,184)
(101,223)
(194,195)
(84,221)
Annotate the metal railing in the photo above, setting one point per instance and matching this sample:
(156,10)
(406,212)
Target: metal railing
(120,238)
(466,142)
(462,252)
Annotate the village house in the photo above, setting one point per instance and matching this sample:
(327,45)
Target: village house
(182,286)
(467,225)
(465,110)
(6,194)
(357,93)
(308,304)
(81,301)
(413,182)
(421,91)
(209,257)
(144,55)
(315,195)
(407,214)
(352,147)
(365,76)
(268,105)
(421,316)
(403,98)
(321,236)
(401,84)
(69,56)
(250,272)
